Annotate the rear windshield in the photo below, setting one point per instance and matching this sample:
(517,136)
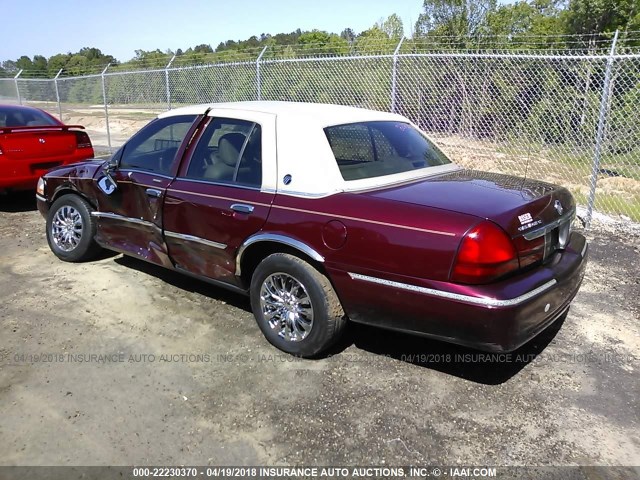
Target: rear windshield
(24,117)
(374,149)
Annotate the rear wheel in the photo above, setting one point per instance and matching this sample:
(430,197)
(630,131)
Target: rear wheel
(295,305)
(71,228)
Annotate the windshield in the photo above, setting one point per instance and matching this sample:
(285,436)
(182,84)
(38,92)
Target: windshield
(373,149)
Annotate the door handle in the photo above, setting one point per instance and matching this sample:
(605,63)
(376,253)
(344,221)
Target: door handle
(152,192)
(242,208)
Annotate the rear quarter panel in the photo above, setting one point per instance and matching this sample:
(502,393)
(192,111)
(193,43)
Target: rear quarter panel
(381,236)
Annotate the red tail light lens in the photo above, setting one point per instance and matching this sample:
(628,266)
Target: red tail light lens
(529,251)
(83,140)
(486,253)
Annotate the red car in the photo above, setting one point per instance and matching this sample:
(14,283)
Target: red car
(32,142)
(324,214)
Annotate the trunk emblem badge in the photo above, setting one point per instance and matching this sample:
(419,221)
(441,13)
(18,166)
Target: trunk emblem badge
(558,206)
(41,140)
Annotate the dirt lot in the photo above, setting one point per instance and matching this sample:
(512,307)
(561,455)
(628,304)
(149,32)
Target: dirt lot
(180,374)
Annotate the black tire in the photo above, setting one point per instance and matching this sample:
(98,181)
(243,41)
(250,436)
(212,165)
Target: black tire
(85,247)
(328,319)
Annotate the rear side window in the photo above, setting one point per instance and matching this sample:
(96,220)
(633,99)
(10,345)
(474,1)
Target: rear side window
(230,151)
(24,117)
(373,149)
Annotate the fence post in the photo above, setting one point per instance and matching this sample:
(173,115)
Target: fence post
(166,76)
(55,83)
(106,108)
(602,122)
(15,79)
(394,76)
(258,80)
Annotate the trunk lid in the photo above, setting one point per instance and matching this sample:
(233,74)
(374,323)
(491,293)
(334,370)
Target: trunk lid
(36,144)
(535,214)
(516,204)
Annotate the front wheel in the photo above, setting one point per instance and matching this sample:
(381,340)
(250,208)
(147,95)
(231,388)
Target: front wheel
(295,305)
(71,228)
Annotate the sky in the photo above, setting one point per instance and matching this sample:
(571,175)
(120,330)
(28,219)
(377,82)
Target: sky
(118,28)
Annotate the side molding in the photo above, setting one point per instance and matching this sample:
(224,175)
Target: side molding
(272,237)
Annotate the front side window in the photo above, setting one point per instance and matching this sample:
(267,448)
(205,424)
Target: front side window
(154,148)
(230,151)
(373,149)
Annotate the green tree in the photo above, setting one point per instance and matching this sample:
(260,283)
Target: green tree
(348,34)
(458,20)
(393,26)
(536,20)
(602,16)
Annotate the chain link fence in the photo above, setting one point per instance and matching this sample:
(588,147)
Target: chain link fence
(569,117)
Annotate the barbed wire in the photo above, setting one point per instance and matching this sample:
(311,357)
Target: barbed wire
(558,44)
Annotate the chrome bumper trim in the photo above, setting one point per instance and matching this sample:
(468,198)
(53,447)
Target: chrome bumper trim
(584,249)
(191,238)
(115,216)
(486,302)
(41,198)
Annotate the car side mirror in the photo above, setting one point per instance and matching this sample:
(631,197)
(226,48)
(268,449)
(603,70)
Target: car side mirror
(111,165)
(106,182)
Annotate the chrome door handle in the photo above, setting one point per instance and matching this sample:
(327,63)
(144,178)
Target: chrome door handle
(152,192)
(242,208)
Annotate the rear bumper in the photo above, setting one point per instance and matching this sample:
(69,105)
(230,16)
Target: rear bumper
(21,182)
(499,317)
(23,174)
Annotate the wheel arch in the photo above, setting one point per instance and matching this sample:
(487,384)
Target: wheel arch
(259,246)
(69,189)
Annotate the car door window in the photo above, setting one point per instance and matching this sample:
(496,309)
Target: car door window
(230,151)
(154,148)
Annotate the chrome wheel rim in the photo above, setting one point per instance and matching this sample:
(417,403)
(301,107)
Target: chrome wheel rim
(66,228)
(286,306)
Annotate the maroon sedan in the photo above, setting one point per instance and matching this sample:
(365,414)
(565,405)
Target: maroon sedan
(32,142)
(323,214)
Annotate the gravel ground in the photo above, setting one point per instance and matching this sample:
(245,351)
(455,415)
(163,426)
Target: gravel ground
(180,374)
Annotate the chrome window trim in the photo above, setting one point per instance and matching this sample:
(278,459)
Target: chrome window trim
(221,184)
(271,237)
(550,226)
(146,172)
(193,238)
(115,216)
(486,302)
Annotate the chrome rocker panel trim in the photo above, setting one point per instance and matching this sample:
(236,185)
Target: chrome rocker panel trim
(192,238)
(115,216)
(485,302)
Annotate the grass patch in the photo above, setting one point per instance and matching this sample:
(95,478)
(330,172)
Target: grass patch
(613,204)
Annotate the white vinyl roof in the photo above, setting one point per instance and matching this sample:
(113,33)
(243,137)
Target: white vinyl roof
(317,113)
(295,145)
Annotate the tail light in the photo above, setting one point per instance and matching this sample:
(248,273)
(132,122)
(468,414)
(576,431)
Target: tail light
(485,253)
(82,140)
(530,251)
